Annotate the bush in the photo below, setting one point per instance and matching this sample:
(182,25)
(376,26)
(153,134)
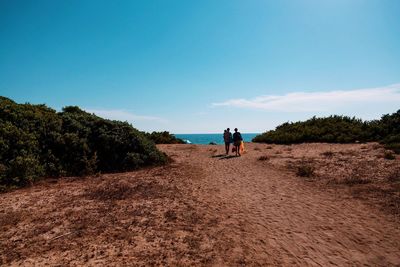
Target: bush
(337,129)
(164,138)
(333,129)
(36,141)
(23,170)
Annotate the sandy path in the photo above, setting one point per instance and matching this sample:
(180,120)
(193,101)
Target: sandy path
(203,210)
(272,217)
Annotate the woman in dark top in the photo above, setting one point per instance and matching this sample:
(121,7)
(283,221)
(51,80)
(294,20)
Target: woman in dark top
(237,140)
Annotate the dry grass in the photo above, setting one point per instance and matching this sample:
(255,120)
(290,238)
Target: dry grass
(361,170)
(394,176)
(98,221)
(348,153)
(170,216)
(328,154)
(9,219)
(360,173)
(305,170)
(303,167)
(379,185)
(389,155)
(376,146)
(111,191)
(386,197)
(263,158)
(391,194)
(186,147)
(213,150)
(355,179)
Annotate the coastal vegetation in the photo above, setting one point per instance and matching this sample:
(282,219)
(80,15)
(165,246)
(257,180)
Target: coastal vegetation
(164,138)
(36,141)
(337,129)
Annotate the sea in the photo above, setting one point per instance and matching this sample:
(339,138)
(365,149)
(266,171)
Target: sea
(205,139)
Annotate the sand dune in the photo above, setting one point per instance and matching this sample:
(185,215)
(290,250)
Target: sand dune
(207,209)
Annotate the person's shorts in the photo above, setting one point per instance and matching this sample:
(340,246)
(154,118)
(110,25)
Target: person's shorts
(237,143)
(227,143)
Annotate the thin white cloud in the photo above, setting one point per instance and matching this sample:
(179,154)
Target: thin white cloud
(123,115)
(318,101)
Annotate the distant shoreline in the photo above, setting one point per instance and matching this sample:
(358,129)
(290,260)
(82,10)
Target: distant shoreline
(207,133)
(205,139)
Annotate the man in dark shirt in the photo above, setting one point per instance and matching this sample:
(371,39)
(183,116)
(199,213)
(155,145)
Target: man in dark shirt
(227,139)
(237,140)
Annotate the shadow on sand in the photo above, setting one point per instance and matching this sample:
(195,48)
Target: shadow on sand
(228,157)
(219,156)
(223,156)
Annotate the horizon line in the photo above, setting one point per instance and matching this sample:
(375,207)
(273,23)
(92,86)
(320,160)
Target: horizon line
(218,133)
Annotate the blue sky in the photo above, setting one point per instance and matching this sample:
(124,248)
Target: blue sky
(202,66)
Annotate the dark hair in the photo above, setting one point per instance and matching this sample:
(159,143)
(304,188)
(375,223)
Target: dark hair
(236,129)
(227,129)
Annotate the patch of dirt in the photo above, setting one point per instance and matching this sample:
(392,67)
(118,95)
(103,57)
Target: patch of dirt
(111,220)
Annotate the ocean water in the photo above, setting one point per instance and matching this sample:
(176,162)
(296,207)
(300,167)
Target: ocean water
(205,139)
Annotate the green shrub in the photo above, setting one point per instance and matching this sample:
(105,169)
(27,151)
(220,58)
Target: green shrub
(132,161)
(333,129)
(164,138)
(36,141)
(337,129)
(24,170)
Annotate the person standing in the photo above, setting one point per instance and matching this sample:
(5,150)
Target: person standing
(237,140)
(227,140)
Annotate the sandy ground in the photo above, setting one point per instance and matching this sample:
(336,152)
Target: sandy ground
(210,210)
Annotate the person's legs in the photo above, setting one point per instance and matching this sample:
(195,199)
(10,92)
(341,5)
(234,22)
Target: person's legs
(227,148)
(237,150)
